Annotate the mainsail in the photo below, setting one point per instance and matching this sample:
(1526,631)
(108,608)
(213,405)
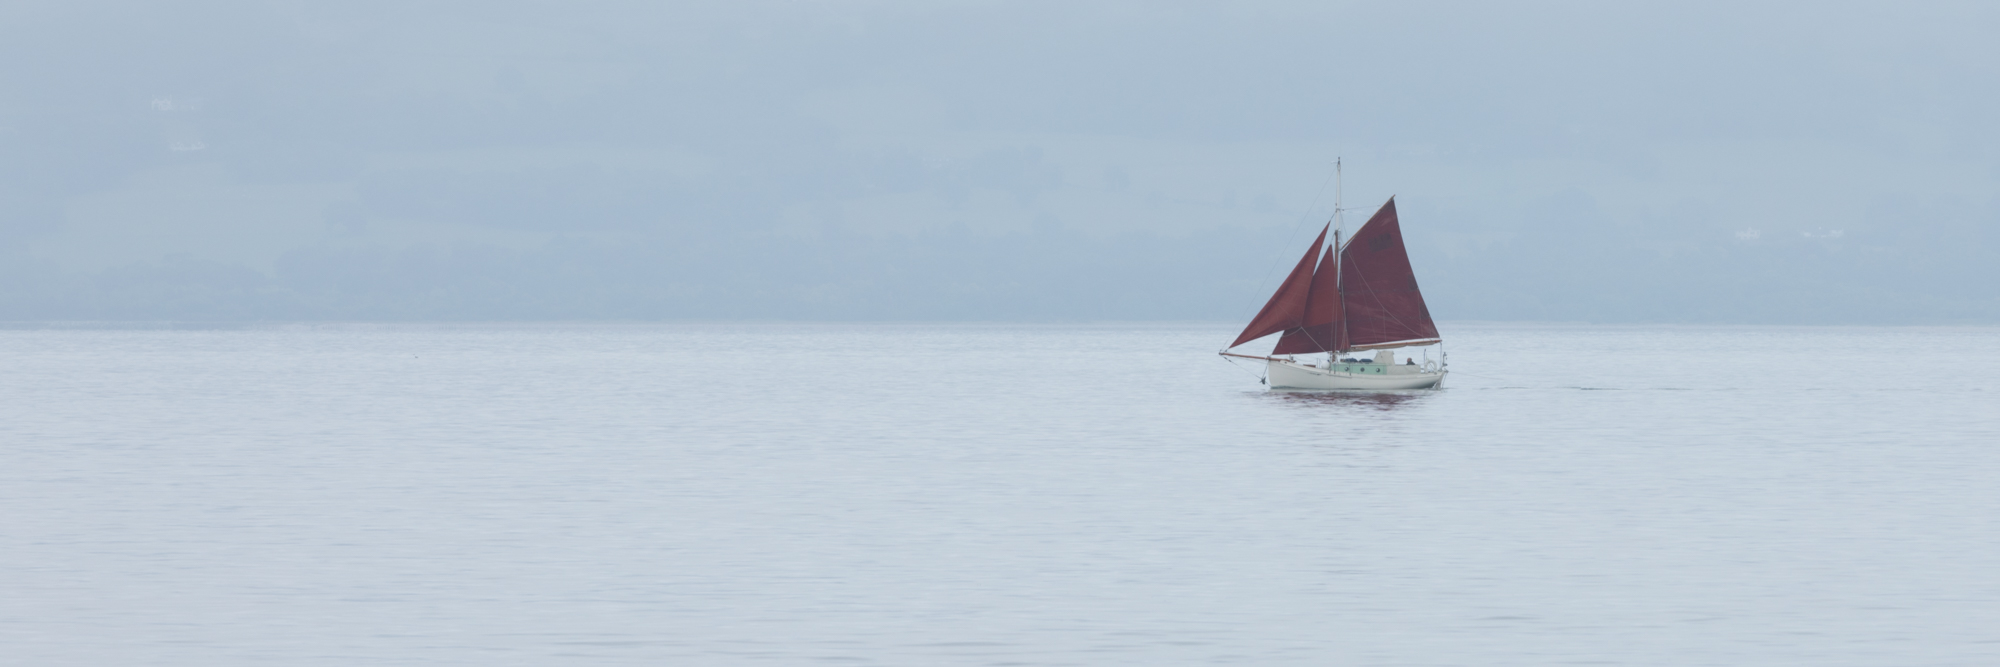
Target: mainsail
(1362,295)
(1384,307)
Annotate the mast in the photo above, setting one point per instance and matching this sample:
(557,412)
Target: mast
(1340,220)
(1340,223)
(1339,321)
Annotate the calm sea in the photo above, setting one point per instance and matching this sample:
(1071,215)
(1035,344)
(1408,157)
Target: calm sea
(993,495)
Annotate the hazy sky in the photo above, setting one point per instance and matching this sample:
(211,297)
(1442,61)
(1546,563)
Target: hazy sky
(1799,162)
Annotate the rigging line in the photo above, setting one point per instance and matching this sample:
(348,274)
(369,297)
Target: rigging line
(1302,331)
(1232,362)
(1357,232)
(1304,217)
(1385,312)
(1378,300)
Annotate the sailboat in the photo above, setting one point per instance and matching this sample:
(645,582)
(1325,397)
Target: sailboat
(1359,295)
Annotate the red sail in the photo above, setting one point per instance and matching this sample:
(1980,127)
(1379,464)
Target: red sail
(1383,304)
(1321,330)
(1287,308)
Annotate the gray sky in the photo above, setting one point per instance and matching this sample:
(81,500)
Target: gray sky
(1802,162)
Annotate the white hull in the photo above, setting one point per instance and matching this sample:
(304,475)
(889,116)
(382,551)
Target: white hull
(1294,375)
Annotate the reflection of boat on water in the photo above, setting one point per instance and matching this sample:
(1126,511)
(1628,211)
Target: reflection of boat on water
(1359,295)
(1366,400)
